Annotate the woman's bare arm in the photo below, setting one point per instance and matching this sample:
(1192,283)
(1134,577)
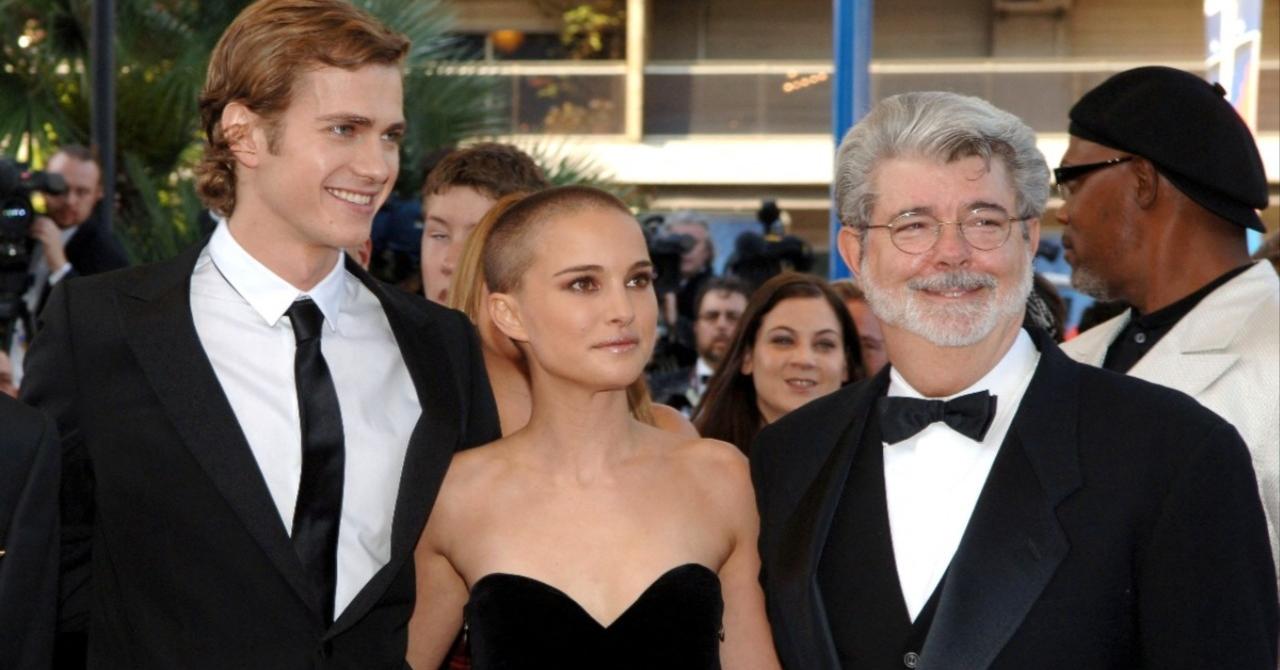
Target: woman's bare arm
(748,640)
(441,592)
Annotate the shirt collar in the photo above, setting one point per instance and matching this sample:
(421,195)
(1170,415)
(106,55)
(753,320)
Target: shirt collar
(1171,314)
(702,369)
(268,294)
(1010,374)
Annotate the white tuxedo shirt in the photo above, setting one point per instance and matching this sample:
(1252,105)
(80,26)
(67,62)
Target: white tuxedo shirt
(238,306)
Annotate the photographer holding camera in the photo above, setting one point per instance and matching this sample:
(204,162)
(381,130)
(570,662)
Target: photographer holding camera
(757,257)
(70,240)
(695,261)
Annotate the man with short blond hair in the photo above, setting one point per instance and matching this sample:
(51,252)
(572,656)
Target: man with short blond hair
(70,240)
(73,240)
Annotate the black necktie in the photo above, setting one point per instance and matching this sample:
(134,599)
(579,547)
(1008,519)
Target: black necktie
(319,507)
(969,415)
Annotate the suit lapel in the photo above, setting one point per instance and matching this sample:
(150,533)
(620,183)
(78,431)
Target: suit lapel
(1090,347)
(431,443)
(161,331)
(1201,344)
(810,524)
(1013,544)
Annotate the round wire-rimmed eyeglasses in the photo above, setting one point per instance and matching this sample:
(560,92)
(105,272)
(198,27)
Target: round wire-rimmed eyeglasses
(983,229)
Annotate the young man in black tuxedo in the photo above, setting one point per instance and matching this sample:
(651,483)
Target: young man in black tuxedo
(254,432)
(984,501)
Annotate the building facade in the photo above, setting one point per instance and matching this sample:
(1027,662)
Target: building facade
(714,105)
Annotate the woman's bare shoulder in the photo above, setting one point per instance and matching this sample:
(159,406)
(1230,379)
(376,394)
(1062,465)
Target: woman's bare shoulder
(671,420)
(717,452)
(717,477)
(715,464)
(472,472)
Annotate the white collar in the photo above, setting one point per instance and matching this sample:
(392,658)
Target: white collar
(702,369)
(1006,378)
(268,294)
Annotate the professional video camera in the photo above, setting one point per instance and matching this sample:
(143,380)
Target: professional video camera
(665,250)
(758,257)
(16,215)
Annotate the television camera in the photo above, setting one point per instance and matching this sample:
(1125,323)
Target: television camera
(16,214)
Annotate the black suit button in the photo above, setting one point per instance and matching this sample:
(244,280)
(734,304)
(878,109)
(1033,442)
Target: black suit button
(326,649)
(911,659)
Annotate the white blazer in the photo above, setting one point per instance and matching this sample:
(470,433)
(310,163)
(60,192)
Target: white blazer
(1225,353)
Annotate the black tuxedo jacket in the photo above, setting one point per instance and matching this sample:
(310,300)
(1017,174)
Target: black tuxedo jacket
(191,565)
(1120,527)
(29,467)
(94,250)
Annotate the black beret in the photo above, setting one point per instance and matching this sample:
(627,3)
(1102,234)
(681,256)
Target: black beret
(1185,126)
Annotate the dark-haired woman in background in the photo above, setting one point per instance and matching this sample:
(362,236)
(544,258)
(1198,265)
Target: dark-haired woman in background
(587,538)
(795,342)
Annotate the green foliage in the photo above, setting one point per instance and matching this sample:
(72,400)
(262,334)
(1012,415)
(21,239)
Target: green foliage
(42,85)
(585,27)
(162,51)
(440,109)
(588,25)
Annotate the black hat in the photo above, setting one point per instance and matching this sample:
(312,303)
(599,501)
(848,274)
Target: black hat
(1185,126)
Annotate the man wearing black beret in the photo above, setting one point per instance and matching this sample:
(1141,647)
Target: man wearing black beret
(1159,182)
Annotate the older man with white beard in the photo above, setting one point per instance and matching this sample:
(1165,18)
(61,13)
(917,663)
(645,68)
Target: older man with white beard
(984,501)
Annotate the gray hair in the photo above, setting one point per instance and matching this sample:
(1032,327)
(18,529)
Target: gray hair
(944,126)
(685,217)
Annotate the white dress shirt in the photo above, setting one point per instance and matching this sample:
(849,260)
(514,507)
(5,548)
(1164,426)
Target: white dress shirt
(702,374)
(932,479)
(40,274)
(238,305)
(40,278)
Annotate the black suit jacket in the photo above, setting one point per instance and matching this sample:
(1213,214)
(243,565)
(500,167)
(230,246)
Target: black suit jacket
(94,250)
(29,468)
(192,566)
(1120,527)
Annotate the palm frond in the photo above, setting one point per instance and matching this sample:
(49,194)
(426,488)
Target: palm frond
(162,51)
(563,167)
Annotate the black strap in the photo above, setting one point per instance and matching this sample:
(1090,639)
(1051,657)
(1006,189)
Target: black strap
(970,415)
(319,506)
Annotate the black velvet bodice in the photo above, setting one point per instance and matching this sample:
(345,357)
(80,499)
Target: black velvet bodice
(520,622)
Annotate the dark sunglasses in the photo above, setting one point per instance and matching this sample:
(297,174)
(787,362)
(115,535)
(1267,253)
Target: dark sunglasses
(1066,173)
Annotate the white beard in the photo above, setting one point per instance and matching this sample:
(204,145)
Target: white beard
(1091,284)
(956,325)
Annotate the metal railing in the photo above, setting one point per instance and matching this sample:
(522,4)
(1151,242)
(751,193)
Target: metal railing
(793,97)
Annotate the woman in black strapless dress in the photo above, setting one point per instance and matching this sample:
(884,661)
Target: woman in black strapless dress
(588,539)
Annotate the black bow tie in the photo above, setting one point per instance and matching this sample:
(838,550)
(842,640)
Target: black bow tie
(970,415)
